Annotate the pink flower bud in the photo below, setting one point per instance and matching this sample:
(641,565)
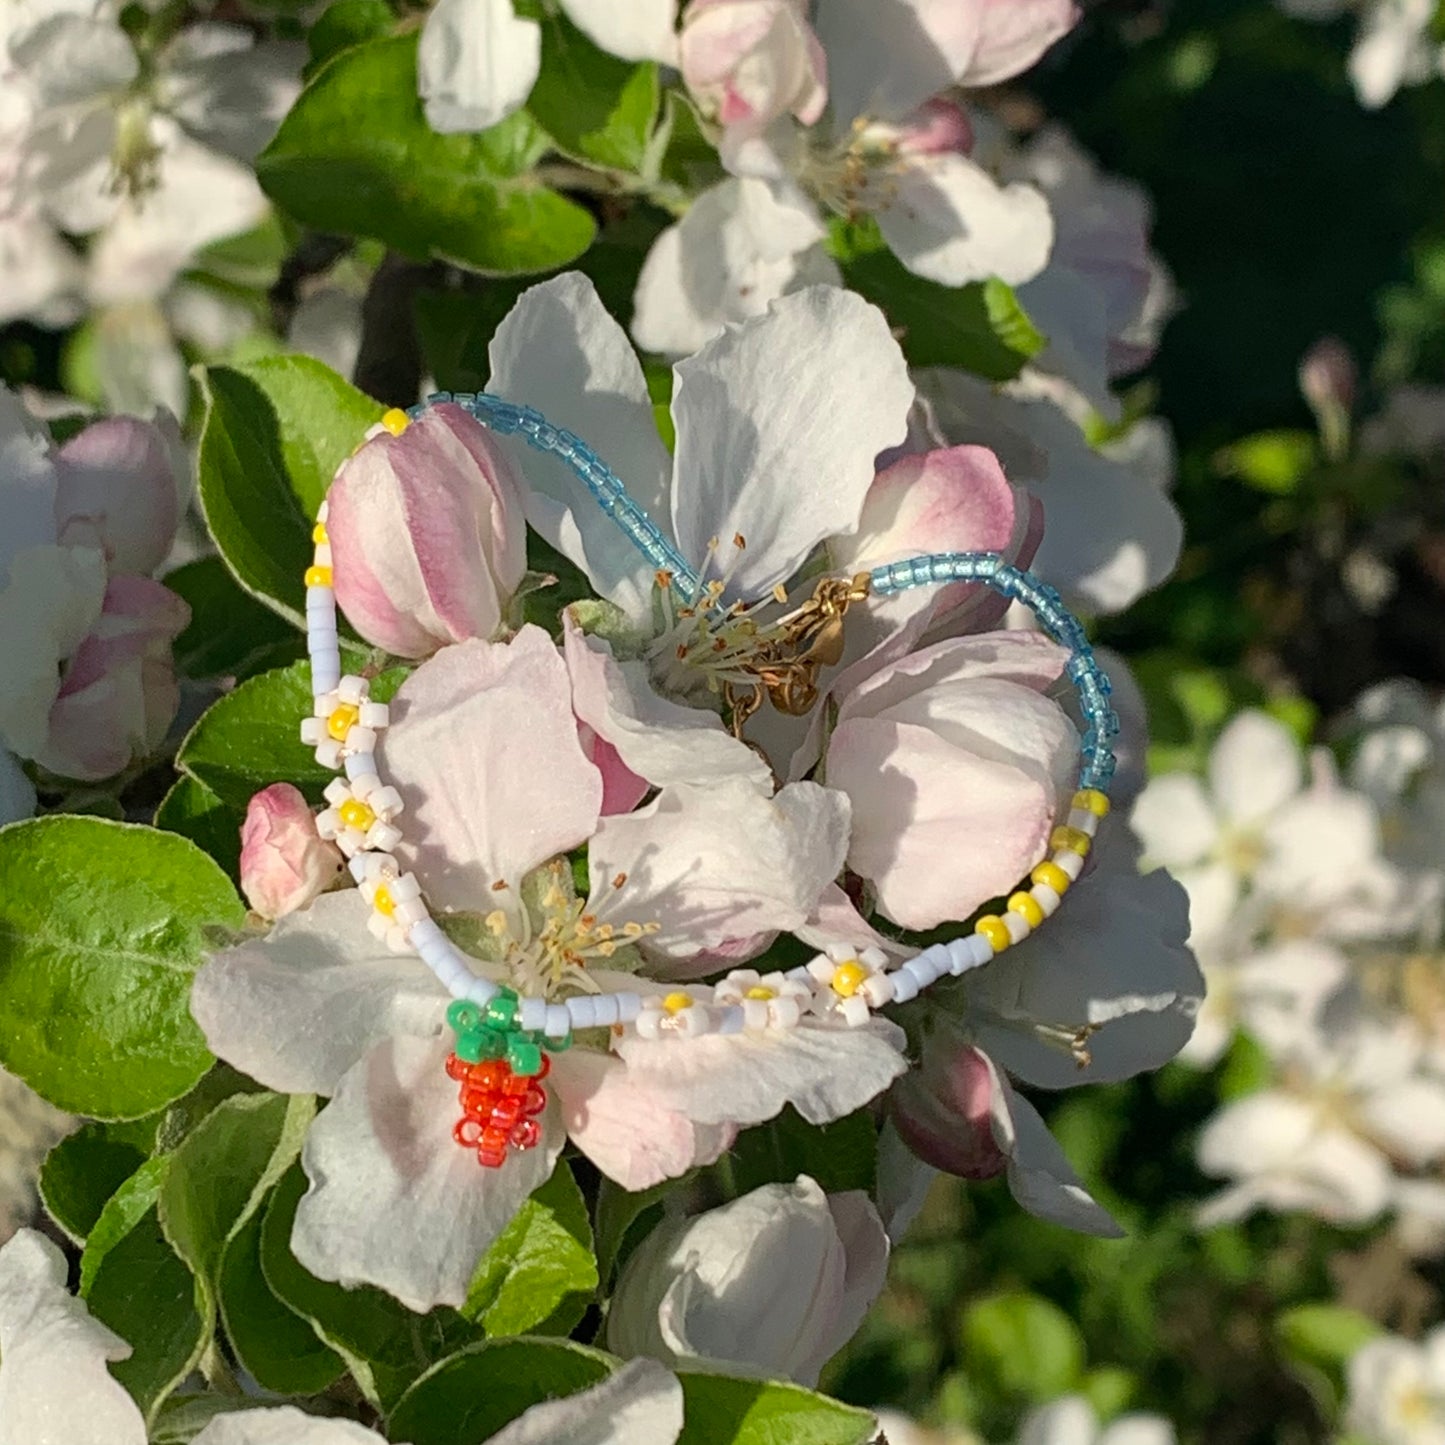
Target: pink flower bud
(284,863)
(119,487)
(428,540)
(1328,377)
(118,693)
(943,1110)
(747,62)
(937,127)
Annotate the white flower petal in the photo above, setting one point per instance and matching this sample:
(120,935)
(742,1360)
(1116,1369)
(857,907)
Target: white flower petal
(1254,767)
(296,1009)
(284,1426)
(42,273)
(560,351)
(1069,1421)
(477,63)
(948,220)
(640,1405)
(1174,821)
(483,749)
(69,59)
(17,792)
(54,1386)
(720,863)
(394,1200)
(745,1078)
(779,422)
(636,30)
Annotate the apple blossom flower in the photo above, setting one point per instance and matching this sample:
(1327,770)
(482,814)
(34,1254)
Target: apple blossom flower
(1395,44)
(942,1110)
(772,1284)
(484,749)
(1072,1420)
(1395,1390)
(427,536)
(479,59)
(284,861)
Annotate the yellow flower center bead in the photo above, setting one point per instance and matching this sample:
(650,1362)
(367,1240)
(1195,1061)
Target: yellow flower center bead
(1074,839)
(383,902)
(1091,800)
(761,991)
(1051,876)
(848,979)
(318,576)
(356,814)
(674,1003)
(342,720)
(396,421)
(995,930)
(1027,908)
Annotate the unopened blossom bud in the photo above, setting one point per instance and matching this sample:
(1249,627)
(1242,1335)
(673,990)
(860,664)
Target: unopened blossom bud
(118,693)
(748,62)
(776,1282)
(1328,376)
(284,863)
(938,127)
(427,535)
(943,1110)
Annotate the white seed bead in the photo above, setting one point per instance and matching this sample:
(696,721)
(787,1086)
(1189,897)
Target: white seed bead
(838,952)
(582,1010)
(313,731)
(606,1008)
(360,739)
(374,715)
(376,925)
(824,966)
(336,792)
(406,887)
(481,990)
(383,835)
(873,957)
(531,1013)
(360,765)
(918,970)
(328,752)
(352,689)
(1072,863)
(802,976)
(323,511)
(649,1025)
(320,597)
(877,989)
(755,1013)
(325,673)
(323,554)
(1046,898)
(386,801)
(328,824)
(743,978)
(629,1005)
(557,1023)
(905,986)
(321,637)
(410,911)
(784,1012)
(730,1020)
(855,1011)
(1017,925)
(971,951)
(1083,820)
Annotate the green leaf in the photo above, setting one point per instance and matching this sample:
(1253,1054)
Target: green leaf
(347,23)
(194,811)
(272,1342)
(1022,1344)
(543,1257)
(230,633)
(841,1155)
(183,1417)
(101,928)
(85,1168)
(250,738)
(1325,1335)
(468,1397)
(384,1344)
(595,106)
(125,1209)
(275,431)
(145,1294)
(982,327)
(356,155)
(1271,461)
(624,1217)
(720,1410)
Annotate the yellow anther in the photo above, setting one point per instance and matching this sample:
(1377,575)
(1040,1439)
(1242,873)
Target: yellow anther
(342,720)
(396,421)
(848,979)
(1091,800)
(318,576)
(674,1003)
(1074,839)
(761,990)
(1027,907)
(356,814)
(1051,876)
(319,535)
(383,902)
(995,930)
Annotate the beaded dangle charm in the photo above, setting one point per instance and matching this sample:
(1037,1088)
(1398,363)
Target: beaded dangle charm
(500,1068)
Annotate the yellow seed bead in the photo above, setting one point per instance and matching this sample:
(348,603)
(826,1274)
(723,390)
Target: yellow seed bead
(1074,838)
(318,534)
(1051,876)
(356,814)
(759,990)
(342,720)
(396,421)
(848,979)
(1027,907)
(318,576)
(995,930)
(383,902)
(1091,800)
(674,1003)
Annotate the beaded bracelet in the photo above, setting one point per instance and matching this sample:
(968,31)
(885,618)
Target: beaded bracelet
(502,1039)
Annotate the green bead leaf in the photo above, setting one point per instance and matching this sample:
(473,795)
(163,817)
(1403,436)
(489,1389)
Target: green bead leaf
(356,155)
(275,431)
(230,633)
(196,812)
(543,1257)
(1022,1344)
(595,106)
(102,926)
(251,737)
(468,1397)
(720,1410)
(384,1345)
